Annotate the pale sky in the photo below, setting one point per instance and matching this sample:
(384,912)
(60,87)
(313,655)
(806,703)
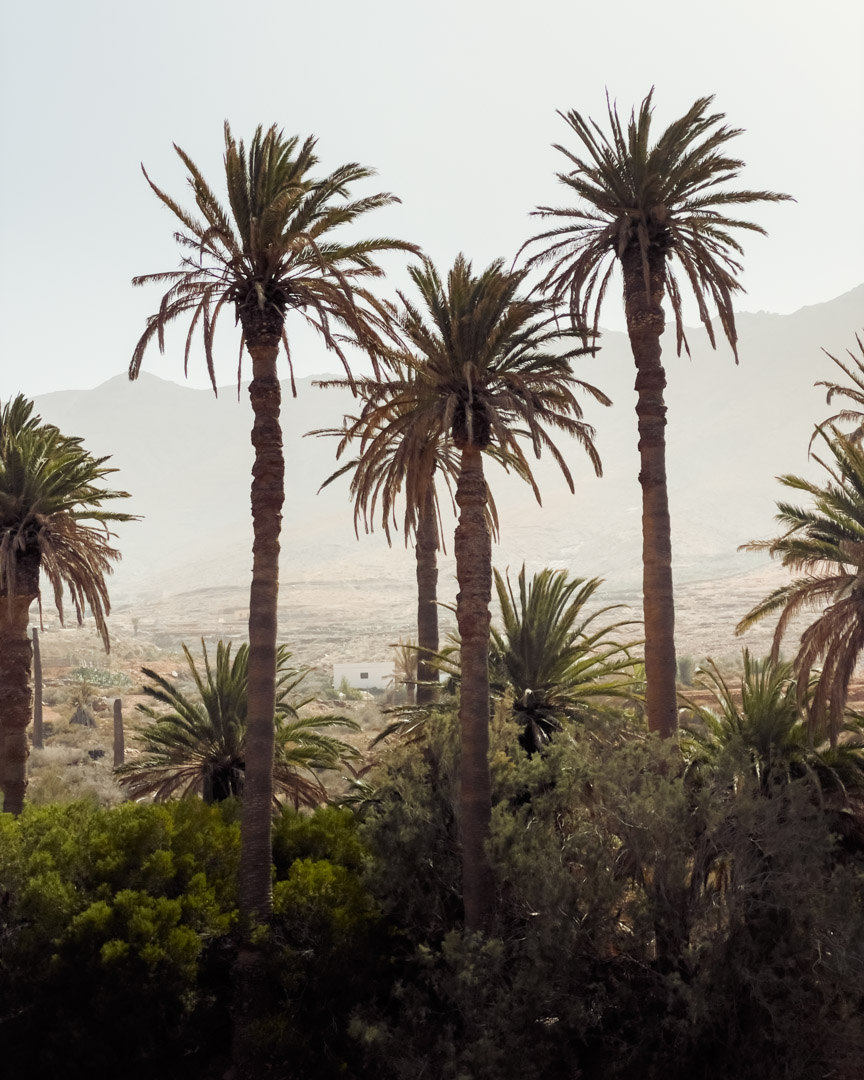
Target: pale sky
(452,102)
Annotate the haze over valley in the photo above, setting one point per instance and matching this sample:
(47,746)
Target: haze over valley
(185,457)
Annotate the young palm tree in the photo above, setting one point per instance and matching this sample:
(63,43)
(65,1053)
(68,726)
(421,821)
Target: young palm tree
(825,545)
(764,723)
(52,521)
(552,656)
(277,249)
(199,746)
(482,377)
(644,205)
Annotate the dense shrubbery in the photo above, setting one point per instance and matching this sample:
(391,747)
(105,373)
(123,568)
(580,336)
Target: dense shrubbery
(647,925)
(117,936)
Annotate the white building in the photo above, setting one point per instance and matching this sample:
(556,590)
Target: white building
(372,676)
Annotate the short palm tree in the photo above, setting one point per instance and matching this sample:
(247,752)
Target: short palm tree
(647,206)
(484,376)
(52,521)
(278,248)
(763,723)
(198,747)
(552,656)
(853,392)
(824,544)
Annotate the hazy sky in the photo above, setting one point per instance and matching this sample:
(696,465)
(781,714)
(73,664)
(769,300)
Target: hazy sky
(453,102)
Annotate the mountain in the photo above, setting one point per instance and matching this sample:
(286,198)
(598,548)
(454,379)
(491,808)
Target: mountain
(185,457)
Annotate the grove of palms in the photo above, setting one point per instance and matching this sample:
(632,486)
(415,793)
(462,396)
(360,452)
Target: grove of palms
(531,883)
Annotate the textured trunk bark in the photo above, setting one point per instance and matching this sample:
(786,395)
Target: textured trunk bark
(15,701)
(473,550)
(426,552)
(645,323)
(268,493)
(119,739)
(38,731)
(252,992)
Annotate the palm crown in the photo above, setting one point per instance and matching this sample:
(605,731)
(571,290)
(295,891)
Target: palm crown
(274,251)
(666,199)
(478,369)
(51,514)
(551,655)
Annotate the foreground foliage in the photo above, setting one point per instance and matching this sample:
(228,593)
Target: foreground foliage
(647,922)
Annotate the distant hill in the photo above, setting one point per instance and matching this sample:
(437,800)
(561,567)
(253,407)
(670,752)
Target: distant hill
(185,457)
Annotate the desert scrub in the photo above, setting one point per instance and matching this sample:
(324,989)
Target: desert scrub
(101,678)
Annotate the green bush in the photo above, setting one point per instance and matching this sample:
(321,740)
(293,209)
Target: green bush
(118,939)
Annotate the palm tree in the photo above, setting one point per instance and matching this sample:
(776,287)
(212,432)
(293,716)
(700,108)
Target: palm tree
(393,457)
(551,656)
(764,724)
(645,205)
(52,521)
(277,249)
(824,544)
(482,377)
(198,746)
(854,393)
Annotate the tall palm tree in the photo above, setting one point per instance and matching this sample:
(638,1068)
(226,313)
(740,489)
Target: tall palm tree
(644,205)
(551,655)
(277,249)
(483,376)
(52,521)
(824,544)
(198,747)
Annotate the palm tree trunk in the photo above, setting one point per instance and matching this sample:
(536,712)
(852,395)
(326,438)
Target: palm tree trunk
(426,553)
(15,700)
(473,550)
(38,730)
(119,739)
(644,326)
(252,993)
(268,494)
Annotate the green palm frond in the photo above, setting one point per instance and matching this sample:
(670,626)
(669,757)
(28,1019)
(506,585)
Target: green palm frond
(554,658)
(666,198)
(196,744)
(763,722)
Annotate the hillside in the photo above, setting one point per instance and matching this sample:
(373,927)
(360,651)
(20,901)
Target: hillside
(185,457)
